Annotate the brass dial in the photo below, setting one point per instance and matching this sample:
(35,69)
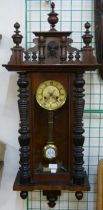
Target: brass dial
(51,95)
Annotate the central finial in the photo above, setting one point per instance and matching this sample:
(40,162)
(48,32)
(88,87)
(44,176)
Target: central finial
(52,19)
(52,6)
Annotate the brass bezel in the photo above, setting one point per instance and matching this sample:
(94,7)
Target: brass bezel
(47,147)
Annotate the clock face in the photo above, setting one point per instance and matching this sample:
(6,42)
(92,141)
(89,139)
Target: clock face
(51,95)
(50,151)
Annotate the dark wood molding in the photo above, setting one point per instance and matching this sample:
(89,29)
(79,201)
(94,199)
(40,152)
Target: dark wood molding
(24,131)
(54,186)
(78,129)
(58,68)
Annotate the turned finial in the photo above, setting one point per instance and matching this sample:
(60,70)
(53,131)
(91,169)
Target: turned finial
(79,195)
(52,19)
(87,37)
(52,6)
(17,26)
(17,38)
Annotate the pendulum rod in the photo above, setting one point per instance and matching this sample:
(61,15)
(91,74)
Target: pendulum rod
(50,127)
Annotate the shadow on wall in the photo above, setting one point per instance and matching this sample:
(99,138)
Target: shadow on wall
(11,97)
(9,115)
(2,153)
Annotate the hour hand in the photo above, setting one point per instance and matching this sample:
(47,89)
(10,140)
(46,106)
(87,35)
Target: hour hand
(46,98)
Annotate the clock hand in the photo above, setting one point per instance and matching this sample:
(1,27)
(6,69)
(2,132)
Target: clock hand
(46,98)
(51,93)
(55,97)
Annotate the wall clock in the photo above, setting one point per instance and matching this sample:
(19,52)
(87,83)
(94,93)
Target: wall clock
(51,104)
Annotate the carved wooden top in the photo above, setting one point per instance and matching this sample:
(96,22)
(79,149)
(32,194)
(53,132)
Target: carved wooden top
(54,48)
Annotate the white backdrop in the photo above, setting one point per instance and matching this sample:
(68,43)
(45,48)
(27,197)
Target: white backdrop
(11,11)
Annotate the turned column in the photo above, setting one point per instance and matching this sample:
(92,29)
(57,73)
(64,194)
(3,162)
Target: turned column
(78,130)
(63,57)
(24,137)
(41,49)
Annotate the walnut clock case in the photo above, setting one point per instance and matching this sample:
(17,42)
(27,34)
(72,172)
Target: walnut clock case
(51,104)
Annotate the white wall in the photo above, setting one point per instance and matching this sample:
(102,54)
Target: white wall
(11,11)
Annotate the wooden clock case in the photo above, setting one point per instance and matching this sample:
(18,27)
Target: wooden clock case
(52,58)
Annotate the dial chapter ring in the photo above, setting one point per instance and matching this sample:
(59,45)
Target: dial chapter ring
(51,95)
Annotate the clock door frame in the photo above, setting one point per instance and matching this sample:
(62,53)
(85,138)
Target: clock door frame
(67,81)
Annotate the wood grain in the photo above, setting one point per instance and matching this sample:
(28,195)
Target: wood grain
(100,186)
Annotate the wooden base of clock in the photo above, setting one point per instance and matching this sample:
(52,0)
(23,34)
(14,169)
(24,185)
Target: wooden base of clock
(85,186)
(52,190)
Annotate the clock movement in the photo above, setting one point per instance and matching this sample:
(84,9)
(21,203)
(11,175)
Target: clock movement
(51,103)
